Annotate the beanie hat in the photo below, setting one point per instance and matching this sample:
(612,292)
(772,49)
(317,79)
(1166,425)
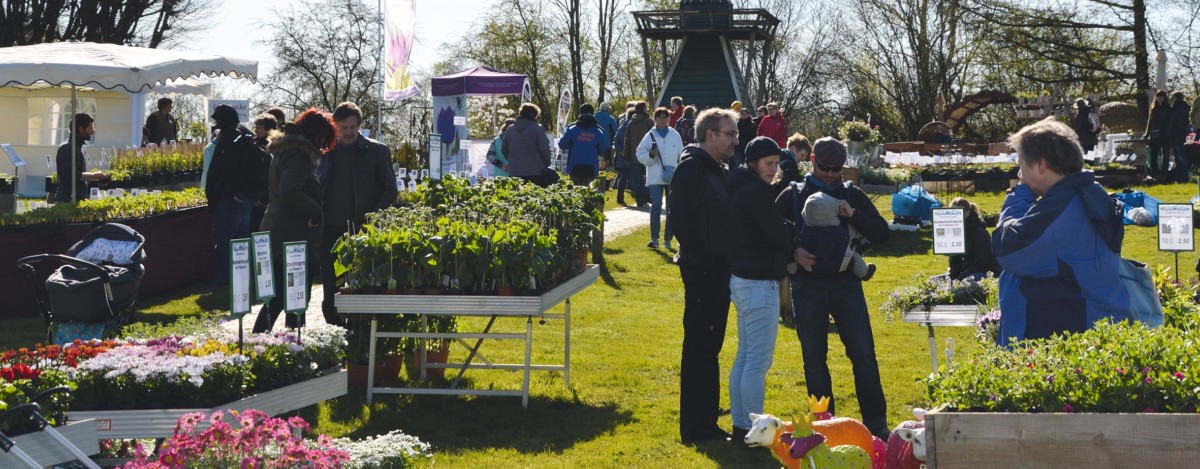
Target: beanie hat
(736,106)
(225,116)
(587,109)
(761,147)
(820,209)
(829,151)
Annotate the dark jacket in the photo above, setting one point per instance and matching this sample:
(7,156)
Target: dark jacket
(527,148)
(584,143)
(701,215)
(618,144)
(296,193)
(1160,120)
(746,130)
(374,185)
(828,243)
(1060,255)
(1177,129)
(607,123)
(638,125)
(62,164)
(866,218)
(231,172)
(687,129)
(978,259)
(764,239)
(1082,125)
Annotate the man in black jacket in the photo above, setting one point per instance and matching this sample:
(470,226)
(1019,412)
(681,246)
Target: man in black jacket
(357,177)
(230,187)
(703,222)
(816,296)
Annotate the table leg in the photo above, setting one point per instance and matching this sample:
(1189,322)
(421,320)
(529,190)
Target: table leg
(567,343)
(528,360)
(932,349)
(371,360)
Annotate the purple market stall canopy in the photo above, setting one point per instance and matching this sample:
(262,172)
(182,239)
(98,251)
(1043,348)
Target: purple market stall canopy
(480,81)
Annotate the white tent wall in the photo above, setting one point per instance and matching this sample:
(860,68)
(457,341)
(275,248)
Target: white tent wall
(114,124)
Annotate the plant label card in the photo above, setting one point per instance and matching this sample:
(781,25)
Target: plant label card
(12,155)
(94,194)
(296,273)
(239,276)
(435,156)
(264,271)
(949,231)
(1175,230)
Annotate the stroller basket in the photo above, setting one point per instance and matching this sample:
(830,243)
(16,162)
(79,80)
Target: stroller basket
(96,281)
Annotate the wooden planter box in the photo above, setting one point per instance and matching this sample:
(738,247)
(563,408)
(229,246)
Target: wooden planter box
(48,452)
(160,423)
(1010,440)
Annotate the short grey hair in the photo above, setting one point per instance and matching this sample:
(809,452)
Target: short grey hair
(710,119)
(1051,141)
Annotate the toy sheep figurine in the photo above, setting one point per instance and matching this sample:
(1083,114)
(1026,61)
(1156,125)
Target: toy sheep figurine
(906,445)
(770,432)
(812,451)
(840,430)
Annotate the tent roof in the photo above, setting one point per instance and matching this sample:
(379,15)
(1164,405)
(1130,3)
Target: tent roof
(172,86)
(479,81)
(111,66)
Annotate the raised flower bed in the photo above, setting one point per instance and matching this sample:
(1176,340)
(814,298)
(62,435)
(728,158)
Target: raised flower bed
(1113,396)
(140,388)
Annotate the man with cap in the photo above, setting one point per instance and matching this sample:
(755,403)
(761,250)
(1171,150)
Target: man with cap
(584,142)
(230,186)
(818,295)
(703,222)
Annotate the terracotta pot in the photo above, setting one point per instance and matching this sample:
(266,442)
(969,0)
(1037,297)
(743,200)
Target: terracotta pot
(413,365)
(506,291)
(357,374)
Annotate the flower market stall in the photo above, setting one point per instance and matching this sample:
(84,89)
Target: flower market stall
(501,249)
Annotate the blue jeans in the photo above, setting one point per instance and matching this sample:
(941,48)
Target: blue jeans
(757,303)
(231,220)
(656,209)
(813,301)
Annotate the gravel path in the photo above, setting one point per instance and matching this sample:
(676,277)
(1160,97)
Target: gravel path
(618,222)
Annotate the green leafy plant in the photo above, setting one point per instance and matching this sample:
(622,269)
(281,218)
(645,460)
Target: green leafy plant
(859,131)
(927,292)
(108,209)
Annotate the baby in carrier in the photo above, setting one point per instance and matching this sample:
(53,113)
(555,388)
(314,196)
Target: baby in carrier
(824,237)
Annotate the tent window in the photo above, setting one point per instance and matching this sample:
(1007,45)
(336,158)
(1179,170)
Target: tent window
(50,118)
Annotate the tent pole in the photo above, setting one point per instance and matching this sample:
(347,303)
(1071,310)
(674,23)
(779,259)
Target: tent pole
(74,149)
(382,76)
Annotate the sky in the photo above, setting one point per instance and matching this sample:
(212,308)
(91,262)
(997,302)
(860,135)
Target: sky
(237,30)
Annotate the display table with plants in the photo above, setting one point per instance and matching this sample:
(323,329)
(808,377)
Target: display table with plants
(1116,395)
(939,301)
(139,387)
(177,227)
(501,248)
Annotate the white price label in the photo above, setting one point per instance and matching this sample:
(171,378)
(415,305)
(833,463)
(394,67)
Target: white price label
(239,277)
(1175,229)
(296,276)
(264,272)
(949,231)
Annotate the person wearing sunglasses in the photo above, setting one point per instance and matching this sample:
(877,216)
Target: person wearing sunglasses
(703,222)
(819,294)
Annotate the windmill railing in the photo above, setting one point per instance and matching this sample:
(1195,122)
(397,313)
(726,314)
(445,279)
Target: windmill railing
(757,24)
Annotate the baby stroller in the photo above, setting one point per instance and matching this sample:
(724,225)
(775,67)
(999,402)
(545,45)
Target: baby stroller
(91,289)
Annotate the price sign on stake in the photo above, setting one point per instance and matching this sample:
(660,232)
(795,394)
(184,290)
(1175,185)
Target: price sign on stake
(1175,228)
(264,272)
(949,231)
(295,277)
(239,276)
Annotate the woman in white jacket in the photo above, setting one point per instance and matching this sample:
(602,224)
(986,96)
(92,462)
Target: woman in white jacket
(659,151)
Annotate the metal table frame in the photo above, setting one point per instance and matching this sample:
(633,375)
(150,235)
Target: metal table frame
(492,307)
(941,315)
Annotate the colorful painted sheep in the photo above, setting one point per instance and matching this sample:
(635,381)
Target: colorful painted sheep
(799,446)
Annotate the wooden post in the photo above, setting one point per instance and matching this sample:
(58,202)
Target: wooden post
(763,94)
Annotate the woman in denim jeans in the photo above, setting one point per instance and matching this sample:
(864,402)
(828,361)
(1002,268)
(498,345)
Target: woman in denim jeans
(658,149)
(754,284)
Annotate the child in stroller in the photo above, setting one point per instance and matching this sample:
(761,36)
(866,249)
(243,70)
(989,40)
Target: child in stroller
(91,289)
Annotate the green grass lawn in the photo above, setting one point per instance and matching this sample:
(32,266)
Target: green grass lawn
(621,407)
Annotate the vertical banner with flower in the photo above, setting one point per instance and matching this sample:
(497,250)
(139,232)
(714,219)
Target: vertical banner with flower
(399,20)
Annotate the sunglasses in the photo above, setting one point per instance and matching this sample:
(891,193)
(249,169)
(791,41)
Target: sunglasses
(829,169)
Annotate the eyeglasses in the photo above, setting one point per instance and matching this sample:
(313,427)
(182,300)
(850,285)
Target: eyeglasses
(731,133)
(829,169)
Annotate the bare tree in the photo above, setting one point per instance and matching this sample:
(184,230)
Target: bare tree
(142,23)
(608,29)
(572,22)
